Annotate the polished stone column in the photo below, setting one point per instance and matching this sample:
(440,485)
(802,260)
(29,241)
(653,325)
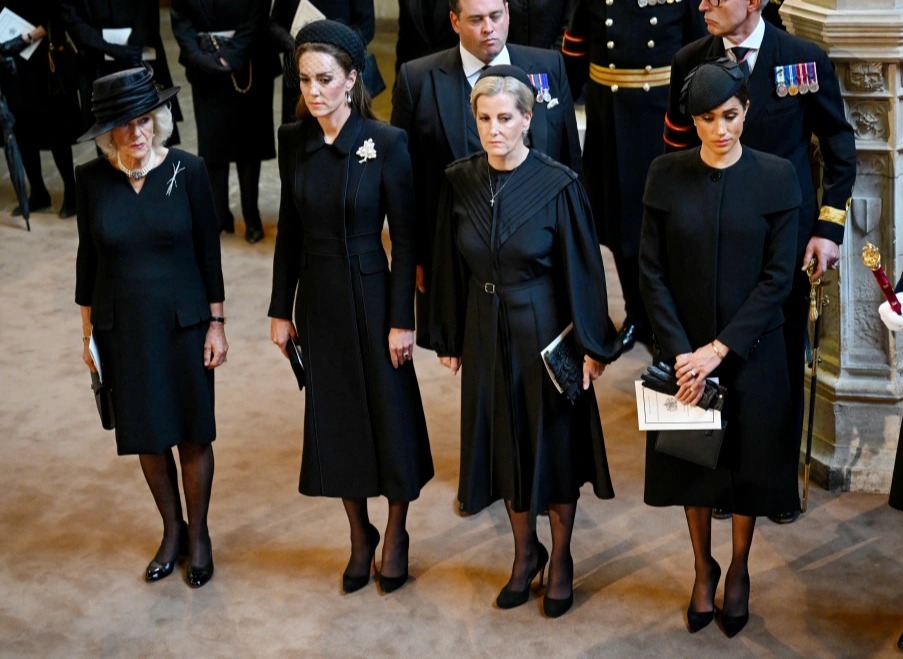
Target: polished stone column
(860,382)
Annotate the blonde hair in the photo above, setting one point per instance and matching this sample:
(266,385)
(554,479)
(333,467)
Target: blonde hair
(495,85)
(163,127)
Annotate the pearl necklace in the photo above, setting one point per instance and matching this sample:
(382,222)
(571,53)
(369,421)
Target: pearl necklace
(137,174)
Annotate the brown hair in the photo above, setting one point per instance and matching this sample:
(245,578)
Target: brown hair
(360,98)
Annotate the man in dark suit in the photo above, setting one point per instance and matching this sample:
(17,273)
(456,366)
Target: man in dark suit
(431,102)
(781,120)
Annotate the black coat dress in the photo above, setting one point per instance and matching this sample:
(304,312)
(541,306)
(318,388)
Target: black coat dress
(44,104)
(148,265)
(520,439)
(716,262)
(233,125)
(86,19)
(364,429)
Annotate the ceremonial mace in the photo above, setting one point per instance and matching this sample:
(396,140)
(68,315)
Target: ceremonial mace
(817,302)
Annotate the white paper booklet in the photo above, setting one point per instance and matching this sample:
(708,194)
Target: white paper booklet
(12,25)
(305,14)
(656,411)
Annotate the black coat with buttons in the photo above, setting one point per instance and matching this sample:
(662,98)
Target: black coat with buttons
(624,125)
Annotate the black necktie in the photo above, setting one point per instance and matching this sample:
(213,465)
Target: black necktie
(740,54)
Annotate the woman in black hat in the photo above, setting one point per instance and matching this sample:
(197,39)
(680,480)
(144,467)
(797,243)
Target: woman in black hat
(716,258)
(342,173)
(150,287)
(517,262)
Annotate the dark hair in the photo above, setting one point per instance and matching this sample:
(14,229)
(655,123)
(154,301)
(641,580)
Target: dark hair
(712,83)
(360,98)
(454,6)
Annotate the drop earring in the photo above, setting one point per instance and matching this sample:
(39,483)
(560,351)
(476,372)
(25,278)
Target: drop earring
(348,97)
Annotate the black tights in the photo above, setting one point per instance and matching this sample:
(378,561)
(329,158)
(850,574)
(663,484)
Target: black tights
(196,461)
(395,543)
(736,583)
(31,163)
(561,565)
(249,190)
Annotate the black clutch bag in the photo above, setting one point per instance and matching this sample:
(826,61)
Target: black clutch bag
(564,364)
(295,359)
(104,399)
(660,377)
(700,447)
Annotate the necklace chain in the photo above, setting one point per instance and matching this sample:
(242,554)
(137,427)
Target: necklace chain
(495,193)
(137,174)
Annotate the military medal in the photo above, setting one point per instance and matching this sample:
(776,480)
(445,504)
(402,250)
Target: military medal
(780,85)
(793,88)
(540,83)
(642,3)
(813,77)
(804,78)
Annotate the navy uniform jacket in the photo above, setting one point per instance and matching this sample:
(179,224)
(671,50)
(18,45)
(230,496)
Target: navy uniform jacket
(431,103)
(784,126)
(623,122)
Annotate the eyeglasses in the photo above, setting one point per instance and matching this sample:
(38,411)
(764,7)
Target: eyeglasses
(716,3)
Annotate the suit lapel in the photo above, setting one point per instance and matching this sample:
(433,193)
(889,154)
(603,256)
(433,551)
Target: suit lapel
(448,85)
(539,125)
(761,83)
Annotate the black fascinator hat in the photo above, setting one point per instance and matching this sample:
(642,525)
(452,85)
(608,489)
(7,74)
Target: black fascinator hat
(508,71)
(120,97)
(336,34)
(710,84)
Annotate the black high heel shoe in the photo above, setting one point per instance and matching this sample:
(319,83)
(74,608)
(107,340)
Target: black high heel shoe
(198,576)
(555,608)
(509,598)
(157,570)
(697,620)
(732,625)
(388,584)
(350,582)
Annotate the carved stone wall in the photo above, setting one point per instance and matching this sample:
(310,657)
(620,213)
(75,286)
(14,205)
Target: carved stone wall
(860,384)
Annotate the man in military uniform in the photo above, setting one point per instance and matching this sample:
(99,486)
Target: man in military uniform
(625,48)
(794,93)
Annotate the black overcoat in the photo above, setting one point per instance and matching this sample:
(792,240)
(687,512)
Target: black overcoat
(149,267)
(624,125)
(716,261)
(232,125)
(431,102)
(364,429)
(507,279)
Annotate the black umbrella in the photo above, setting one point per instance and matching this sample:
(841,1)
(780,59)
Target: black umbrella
(13,157)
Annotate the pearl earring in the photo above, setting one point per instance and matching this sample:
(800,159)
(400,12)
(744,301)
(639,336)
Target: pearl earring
(348,97)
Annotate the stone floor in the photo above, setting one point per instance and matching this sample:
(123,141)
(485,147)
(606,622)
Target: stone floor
(78,525)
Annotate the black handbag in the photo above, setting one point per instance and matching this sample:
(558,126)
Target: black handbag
(660,377)
(295,359)
(564,364)
(103,396)
(700,447)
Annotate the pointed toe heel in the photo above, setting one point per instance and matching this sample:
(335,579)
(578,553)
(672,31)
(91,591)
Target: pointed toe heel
(555,608)
(509,598)
(198,576)
(697,620)
(352,582)
(733,625)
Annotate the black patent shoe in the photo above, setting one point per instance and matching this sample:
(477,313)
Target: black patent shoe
(253,235)
(721,513)
(66,211)
(351,582)
(34,206)
(509,598)
(697,620)
(785,518)
(157,570)
(198,576)
(388,584)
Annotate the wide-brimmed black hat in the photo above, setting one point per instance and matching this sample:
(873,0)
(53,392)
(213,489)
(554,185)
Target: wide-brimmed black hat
(120,97)
(710,84)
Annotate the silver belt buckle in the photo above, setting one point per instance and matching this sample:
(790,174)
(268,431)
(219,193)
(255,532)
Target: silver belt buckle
(489,287)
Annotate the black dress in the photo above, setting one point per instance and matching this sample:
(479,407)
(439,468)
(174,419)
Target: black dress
(716,260)
(896,485)
(507,279)
(233,125)
(149,267)
(364,430)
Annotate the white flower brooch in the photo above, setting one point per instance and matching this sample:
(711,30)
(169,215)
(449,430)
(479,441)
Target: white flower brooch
(367,151)
(172,182)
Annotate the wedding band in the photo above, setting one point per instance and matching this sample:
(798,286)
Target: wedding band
(406,355)
(693,374)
